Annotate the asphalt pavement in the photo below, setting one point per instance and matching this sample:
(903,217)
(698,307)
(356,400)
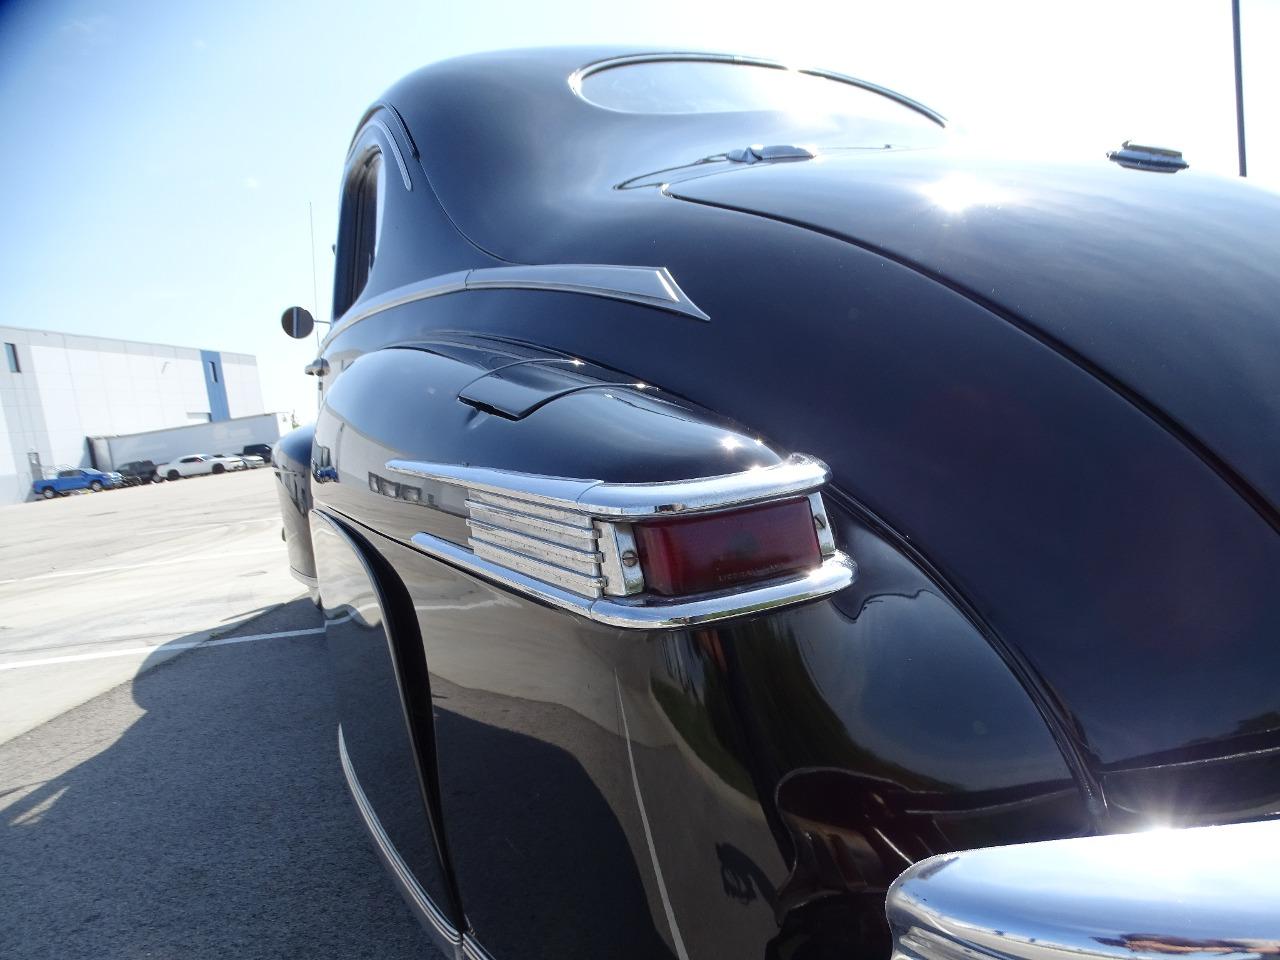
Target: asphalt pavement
(93,585)
(196,809)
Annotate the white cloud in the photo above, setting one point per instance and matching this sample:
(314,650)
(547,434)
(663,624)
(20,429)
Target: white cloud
(85,26)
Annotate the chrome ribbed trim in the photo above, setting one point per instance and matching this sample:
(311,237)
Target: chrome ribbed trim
(565,534)
(835,573)
(798,474)
(585,562)
(647,286)
(418,898)
(589,585)
(556,546)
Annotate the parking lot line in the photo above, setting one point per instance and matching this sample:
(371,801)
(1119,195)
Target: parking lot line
(188,558)
(129,651)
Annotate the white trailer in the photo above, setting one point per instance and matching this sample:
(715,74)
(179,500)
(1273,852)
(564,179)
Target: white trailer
(161,446)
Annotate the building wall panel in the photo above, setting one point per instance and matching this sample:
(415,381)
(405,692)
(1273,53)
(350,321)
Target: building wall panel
(73,387)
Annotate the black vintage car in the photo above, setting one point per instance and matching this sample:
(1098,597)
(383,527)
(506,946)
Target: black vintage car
(728,492)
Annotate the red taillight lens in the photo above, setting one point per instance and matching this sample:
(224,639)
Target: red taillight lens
(722,550)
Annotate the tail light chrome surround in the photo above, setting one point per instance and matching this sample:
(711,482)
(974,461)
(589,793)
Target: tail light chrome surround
(570,542)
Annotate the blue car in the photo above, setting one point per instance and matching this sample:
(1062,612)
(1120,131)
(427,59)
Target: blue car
(68,481)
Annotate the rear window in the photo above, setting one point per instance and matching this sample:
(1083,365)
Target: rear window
(711,86)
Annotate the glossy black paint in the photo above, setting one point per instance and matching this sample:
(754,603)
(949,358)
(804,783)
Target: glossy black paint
(1042,392)
(1056,249)
(383,701)
(748,723)
(782,763)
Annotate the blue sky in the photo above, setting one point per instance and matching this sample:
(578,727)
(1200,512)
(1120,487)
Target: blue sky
(161,156)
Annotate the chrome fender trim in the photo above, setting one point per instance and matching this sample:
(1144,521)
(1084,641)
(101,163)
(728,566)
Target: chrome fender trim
(797,474)
(647,286)
(650,286)
(834,574)
(447,937)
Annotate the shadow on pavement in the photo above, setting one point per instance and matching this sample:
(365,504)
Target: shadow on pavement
(198,811)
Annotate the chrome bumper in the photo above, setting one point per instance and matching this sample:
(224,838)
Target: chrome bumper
(1206,891)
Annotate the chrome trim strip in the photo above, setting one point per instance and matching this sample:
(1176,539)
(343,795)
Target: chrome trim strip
(576,78)
(835,573)
(798,474)
(437,286)
(647,286)
(472,950)
(400,871)
(893,95)
(650,286)
(395,150)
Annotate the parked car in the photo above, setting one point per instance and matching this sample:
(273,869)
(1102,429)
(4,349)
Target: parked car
(232,461)
(142,471)
(252,460)
(262,450)
(199,464)
(192,465)
(727,492)
(70,479)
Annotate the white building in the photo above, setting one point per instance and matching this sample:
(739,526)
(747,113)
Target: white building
(58,389)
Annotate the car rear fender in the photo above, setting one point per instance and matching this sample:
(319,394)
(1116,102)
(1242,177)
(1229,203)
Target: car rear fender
(609,750)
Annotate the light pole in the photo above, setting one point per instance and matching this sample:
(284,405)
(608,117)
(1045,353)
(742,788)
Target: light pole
(1235,33)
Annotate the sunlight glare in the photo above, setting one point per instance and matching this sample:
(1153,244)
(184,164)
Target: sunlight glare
(957,192)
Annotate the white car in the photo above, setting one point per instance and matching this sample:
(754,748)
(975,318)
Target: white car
(198,464)
(233,461)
